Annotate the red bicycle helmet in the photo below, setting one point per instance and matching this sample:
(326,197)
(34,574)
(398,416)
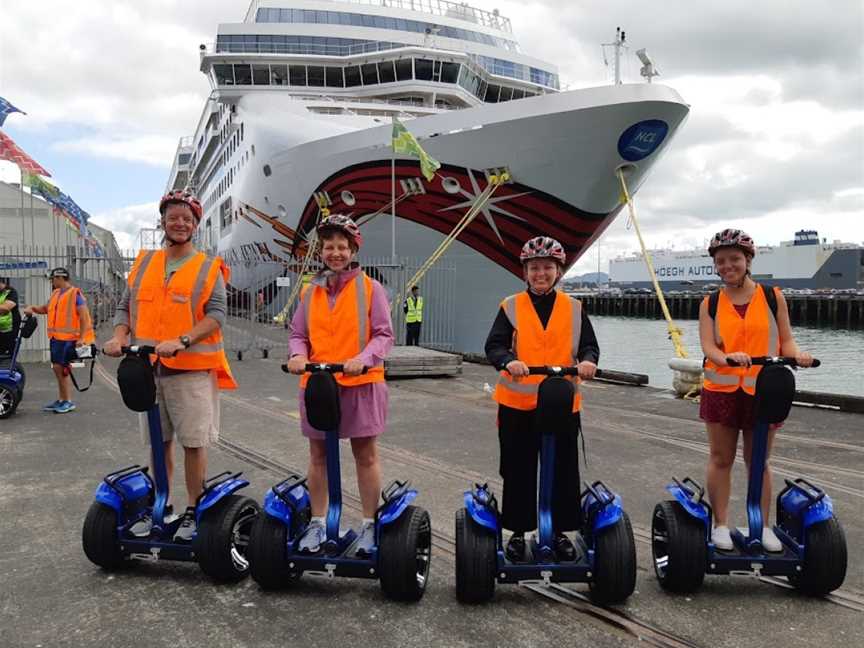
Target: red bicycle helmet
(732,238)
(343,224)
(543,247)
(184,198)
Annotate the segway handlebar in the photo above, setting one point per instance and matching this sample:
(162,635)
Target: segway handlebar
(138,350)
(317,367)
(769,360)
(559,371)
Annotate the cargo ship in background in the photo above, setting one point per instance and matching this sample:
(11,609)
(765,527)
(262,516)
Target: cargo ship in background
(300,115)
(805,262)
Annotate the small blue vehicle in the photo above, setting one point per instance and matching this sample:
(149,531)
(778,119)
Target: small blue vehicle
(606,552)
(124,497)
(401,556)
(12,378)
(814,545)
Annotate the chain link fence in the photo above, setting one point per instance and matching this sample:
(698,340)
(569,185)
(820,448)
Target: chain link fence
(257,295)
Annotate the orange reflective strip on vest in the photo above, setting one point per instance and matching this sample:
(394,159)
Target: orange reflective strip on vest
(340,333)
(162,310)
(756,334)
(556,345)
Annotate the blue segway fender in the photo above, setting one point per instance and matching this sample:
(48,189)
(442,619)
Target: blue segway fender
(212,496)
(804,509)
(481,513)
(394,508)
(276,506)
(609,513)
(128,488)
(697,509)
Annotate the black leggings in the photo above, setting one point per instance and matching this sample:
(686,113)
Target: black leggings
(520,453)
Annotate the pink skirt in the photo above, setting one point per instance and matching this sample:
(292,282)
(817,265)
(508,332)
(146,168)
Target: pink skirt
(732,409)
(363,408)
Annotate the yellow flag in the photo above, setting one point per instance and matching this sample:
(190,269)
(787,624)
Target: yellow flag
(405,142)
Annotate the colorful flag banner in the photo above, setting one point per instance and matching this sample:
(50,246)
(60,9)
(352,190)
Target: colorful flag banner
(6,109)
(39,186)
(9,151)
(405,142)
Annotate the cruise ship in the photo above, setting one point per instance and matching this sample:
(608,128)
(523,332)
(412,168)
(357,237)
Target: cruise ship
(304,93)
(805,262)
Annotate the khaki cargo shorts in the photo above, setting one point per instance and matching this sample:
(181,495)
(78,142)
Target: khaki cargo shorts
(188,409)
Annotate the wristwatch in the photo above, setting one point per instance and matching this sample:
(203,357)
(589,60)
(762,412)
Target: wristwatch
(186,341)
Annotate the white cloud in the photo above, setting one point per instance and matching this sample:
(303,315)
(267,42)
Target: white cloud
(126,222)
(150,149)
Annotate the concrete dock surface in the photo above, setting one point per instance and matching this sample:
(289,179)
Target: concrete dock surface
(442,437)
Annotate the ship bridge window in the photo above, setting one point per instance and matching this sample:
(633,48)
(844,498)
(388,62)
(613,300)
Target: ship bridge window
(297,74)
(518,93)
(423,69)
(242,74)
(334,77)
(492,93)
(449,72)
(404,70)
(316,75)
(261,74)
(370,73)
(386,72)
(279,74)
(224,74)
(352,76)
(506,94)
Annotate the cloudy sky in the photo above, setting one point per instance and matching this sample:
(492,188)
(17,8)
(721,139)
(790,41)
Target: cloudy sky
(775,139)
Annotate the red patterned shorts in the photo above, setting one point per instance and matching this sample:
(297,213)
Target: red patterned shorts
(732,409)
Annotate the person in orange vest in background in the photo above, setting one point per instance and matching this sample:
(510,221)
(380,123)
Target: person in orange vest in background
(750,320)
(175,300)
(69,326)
(540,326)
(344,317)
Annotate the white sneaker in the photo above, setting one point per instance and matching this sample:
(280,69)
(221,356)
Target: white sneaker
(143,527)
(770,541)
(186,530)
(722,539)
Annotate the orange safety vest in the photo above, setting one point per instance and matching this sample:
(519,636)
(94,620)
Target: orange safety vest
(756,334)
(63,320)
(160,310)
(556,346)
(341,333)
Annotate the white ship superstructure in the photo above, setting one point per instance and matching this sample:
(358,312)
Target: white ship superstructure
(300,115)
(804,262)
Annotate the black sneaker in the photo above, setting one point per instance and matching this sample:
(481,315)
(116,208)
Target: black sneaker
(564,548)
(515,550)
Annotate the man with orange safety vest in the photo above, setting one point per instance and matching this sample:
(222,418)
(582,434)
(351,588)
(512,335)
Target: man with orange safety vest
(175,301)
(69,326)
(540,326)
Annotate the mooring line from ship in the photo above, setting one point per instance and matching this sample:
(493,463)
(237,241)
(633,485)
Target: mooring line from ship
(442,541)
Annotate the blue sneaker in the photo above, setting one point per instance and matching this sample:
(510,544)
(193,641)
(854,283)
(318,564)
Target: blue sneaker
(64,406)
(50,407)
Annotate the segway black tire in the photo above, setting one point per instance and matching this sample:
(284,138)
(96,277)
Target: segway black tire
(614,577)
(405,554)
(268,562)
(686,550)
(99,537)
(475,560)
(825,558)
(222,541)
(9,399)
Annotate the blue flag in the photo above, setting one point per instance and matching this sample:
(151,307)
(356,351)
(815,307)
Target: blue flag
(6,108)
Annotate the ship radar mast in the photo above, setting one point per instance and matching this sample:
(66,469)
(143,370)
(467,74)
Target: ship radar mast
(617,45)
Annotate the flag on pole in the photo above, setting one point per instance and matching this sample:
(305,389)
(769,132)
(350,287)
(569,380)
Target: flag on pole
(6,109)
(9,151)
(405,142)
(39,186)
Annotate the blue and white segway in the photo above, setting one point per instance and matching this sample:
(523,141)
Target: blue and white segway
(12,378)
(606,551)
(126,496)
(814,546)
(401,556)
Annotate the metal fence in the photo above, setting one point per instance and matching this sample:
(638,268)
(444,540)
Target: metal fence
(257,294)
